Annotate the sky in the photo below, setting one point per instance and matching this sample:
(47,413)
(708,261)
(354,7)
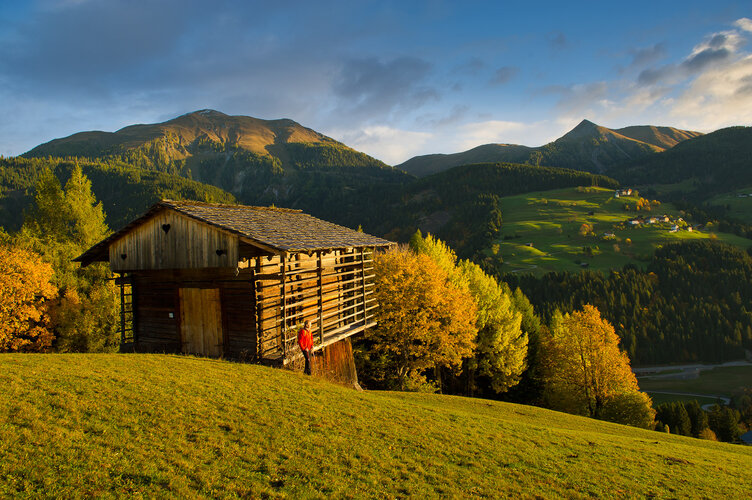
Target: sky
(392,79)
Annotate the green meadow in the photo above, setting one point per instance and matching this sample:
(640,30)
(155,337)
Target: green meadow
(543,231)
(739,204)
(165,426)
(722,381)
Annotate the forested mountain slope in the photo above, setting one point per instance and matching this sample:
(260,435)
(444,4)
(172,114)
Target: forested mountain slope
(260,162)
(720,161)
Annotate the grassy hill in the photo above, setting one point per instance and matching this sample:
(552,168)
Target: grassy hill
(588,147)
(542,231)
(173,426)
(459,205)
(738,204)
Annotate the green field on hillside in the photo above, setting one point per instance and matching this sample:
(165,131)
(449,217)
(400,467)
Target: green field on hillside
(739,204)
(543,231)
(172,426)
(723,381)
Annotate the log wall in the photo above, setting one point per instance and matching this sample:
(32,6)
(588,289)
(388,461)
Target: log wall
(157,314)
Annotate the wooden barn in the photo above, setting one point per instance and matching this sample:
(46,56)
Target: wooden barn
(238,281)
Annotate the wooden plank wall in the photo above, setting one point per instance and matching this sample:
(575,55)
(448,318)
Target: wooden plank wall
(332,290)
(156,295)
(185,244)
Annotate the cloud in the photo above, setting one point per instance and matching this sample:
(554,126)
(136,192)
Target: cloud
(719,97)
(390,145)
(475,134)
(648,55)
(744,24)
(716,48)
(503,75)
(469,68)
(370,88)
(579,99)
(433,120)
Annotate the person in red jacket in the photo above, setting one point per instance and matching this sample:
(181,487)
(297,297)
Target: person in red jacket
(305,341)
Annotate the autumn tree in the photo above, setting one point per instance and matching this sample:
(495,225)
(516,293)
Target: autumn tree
(501,345)
(63,223)
(25,294)
(424,320)
(585,373)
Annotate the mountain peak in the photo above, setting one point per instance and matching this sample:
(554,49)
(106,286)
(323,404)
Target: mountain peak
(583,129)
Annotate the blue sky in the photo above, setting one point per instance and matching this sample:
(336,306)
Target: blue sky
(393,79)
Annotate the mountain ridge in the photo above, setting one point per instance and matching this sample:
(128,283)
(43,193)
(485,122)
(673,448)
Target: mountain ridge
(189,133)
(588,146)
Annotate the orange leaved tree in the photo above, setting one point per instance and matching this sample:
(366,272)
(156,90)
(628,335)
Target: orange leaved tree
(25,292)
(424,320)
(586,373)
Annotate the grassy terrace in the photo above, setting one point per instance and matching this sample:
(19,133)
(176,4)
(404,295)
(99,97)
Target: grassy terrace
(551,222)
(173,426)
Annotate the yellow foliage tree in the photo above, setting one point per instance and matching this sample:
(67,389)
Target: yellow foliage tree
(501,345)
(424,320)
(25,290)
(585,373)
(501,353)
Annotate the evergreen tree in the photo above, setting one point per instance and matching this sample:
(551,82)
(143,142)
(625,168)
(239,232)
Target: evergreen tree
(62,225)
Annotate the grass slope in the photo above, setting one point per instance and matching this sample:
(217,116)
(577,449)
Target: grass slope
(172,426)
(551,221)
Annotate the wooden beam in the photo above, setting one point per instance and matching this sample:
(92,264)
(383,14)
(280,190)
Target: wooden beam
(363,284)
(320,272)
(284,306)
(270,249)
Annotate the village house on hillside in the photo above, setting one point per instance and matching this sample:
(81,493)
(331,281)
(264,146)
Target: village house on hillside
(238,281)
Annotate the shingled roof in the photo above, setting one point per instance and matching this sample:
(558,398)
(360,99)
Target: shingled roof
(282,229)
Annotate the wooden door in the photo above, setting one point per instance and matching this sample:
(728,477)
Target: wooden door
(201,321)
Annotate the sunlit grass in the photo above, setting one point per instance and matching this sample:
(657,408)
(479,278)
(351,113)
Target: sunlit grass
(552,222)
(172,426)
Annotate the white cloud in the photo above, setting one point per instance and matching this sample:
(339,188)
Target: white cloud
(719,97)
(390,145)
(744,23)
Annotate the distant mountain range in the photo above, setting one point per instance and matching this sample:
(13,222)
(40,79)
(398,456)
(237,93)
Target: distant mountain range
(257,161)
(587,147)
(196,136)
(210,155)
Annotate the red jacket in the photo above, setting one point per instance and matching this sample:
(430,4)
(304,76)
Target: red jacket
(305,339)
